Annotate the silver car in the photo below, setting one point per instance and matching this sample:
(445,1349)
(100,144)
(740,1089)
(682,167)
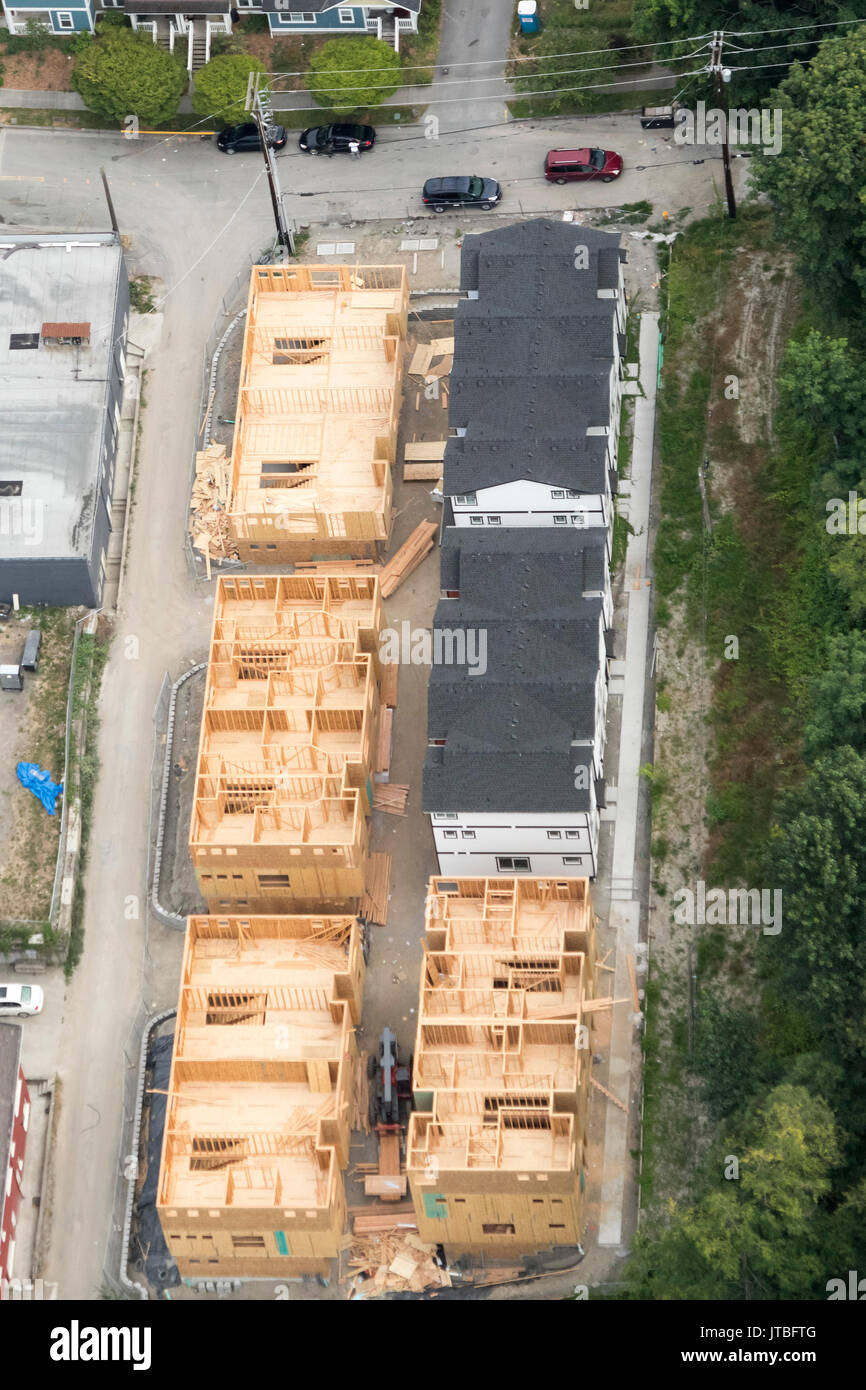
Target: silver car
(20,1001)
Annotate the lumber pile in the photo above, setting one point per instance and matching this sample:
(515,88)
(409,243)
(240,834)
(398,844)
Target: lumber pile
(397,1262)
(361,1096)
(422,472)
(209,523)
(408,557)
(338,566)
(383,741)
(424,451)
(390,797)
(376,1220)
(390,670)
(377,880)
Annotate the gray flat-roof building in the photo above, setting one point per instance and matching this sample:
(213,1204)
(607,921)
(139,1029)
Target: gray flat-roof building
(64,310)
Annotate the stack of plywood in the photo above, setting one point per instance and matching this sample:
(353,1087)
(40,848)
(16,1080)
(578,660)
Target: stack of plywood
(209,522)
(390,797)
(390,671)
(395,1263)
(361,1095)
(408,557)
(423,461)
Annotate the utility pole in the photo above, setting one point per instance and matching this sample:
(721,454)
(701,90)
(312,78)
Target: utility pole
(111,212)
(262,115)
(722,76)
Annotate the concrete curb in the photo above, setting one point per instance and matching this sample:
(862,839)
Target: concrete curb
(169,919)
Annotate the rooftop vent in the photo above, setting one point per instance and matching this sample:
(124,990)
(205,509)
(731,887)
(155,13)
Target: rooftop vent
(65,334)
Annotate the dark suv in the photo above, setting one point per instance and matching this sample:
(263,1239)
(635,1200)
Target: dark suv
(336,139)
(469,192)
(240,138)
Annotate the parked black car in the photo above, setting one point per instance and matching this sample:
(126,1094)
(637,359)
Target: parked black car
(471,191)
(238,139)
(335,139)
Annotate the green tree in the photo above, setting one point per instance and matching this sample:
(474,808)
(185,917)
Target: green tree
(815,858)
(221,87)
(351,74)
(847,564)
(824,381)
(124,73)
(816,181)
(758,1236)
(837,699)
(561,82)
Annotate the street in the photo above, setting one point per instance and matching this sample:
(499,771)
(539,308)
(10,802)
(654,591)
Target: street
(193,218)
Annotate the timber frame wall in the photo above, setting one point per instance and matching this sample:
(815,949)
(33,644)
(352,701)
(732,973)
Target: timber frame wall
(288,735)
(496,1145)
(317,412)
(259,1109)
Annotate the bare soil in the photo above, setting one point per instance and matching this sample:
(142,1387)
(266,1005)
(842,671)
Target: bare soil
(49,71)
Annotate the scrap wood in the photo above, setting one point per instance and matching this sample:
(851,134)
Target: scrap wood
(390,797)
(444,368)
(338,566)
(377,881)
(408,557)
(421,359)
(605,1092)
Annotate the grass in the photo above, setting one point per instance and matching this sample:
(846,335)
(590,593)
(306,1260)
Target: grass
(90,660)
(422,46)
(141,294)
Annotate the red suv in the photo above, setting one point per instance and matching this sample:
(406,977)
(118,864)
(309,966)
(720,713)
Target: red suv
(572,166)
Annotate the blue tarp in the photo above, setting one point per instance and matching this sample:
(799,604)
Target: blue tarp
(31,776)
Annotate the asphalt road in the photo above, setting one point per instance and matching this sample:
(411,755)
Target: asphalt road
(194,217)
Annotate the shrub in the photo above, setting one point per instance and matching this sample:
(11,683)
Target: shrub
(350,74)
(124,73)
(221,87)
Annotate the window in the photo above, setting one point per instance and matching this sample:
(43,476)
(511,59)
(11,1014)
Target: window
(572,859)
(450,834)
(572,834)
(468,834)
(465,499)
(446,815)
(301,17)
(65,20)
(554,834)
(559,519)
(511,863)
(346,16)
(500,1228)
(10,488)
(476,521)
(557,494)
(494,521)
(23,340)
(273,880)
(242,1244)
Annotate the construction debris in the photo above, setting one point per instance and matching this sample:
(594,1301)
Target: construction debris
(377,882)
(383,742)
(209,502)
(361,1098)
(408,557)
(425,355)
(390,797)
(391,1263)
(338,566)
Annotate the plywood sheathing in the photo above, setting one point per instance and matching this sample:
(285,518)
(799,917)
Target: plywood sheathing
(496,1149)
(318,407)
(260,1091)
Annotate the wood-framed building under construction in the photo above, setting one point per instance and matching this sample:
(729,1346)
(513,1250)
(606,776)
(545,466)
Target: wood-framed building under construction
(496,1149)
(259,1107)
(317,411)
(288,736)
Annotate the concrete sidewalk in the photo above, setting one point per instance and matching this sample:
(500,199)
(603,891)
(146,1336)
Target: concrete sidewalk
(41,101)
(625,905)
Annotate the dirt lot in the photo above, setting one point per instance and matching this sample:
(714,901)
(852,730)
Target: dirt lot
(34,724)
(49,71)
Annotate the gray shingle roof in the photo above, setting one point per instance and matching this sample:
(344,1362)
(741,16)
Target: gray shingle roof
(507,253)
(529,780)
(533,570)
(10,1057)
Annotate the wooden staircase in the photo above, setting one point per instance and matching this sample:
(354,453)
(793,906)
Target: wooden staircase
(390,33)
(199,44)
(162,35)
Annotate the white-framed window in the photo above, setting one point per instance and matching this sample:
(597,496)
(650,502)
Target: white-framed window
(554,834)
(468,834)
(557,494)
(512,863)
(572,834)
(476,521)
(445,815)
(65,20)
(464,499)
(301,17)
(450,834)
(346,16)
(572,859)
(559,519)
(494,521)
